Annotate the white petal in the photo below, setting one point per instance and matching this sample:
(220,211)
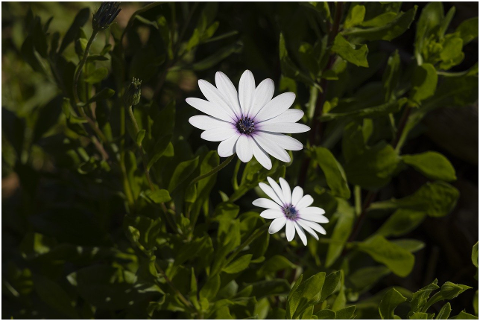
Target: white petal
(301,233)
(269,191)
(312,210)
(307,228)
(297,195)
(262,95)
(287,128)
(306,201)
(244,148)
(272,148)
(227,147)
(266,203)
(289,116)
(313,218)
(287,192)
(261,156)
(277,190)
(227,89)
(272,214)
(277,225)
(246,89)
(210,109)
(276,106)
(206,122)
(290,230)
(218,134)
(283,141)
(313,225)
(214,96)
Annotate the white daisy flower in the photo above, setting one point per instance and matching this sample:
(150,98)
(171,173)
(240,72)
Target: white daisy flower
(290,209)
(248,123)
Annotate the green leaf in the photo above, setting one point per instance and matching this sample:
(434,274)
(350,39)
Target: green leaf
(391,76)
(308,293)
(431,164)
(420,298)
(451,290)
(238,265)
(348,51)
(346,313)
(341,232)
(270,287)
(375,111)
(374,168)
(444,312)
(274,264)
(365,278)
(424,82)
(333,171)
(389,302)
(158,196)
(409,244)
(55,296)
(401,222)
(468,30)
(183,171)
(332,281)
(475,254)
(430,18)
(210,289)
(325,314)
(289,69)
(103,94)
(389,31)
(465,316)
(47,117)
(97,75)
(397,259)
(437,199)
(380,20)
(220,55)
(355,16)
(420,316)
(80,19)
(140,136)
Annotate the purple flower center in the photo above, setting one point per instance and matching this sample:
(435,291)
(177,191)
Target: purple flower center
(290,212)
(246,125)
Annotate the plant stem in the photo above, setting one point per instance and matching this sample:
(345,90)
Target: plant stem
(401,127)
(126,183)
(213,171)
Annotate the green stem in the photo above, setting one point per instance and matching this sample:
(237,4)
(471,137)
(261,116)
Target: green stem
(213,171)
(126,183)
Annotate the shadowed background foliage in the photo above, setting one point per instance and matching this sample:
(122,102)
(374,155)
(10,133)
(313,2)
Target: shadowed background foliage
(76,245)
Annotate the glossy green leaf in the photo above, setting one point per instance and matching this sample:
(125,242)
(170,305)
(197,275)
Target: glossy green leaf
(397,259)
(325,314)
(80,19)
(274,264)
(333,171)
(97,76)
(158,196)
(365,278)
(475,255)
(444,312)
(375,111)
(424,82)
(346,313)
(420,298)
(349,52)
(468,30)
(465,316)
(341,232)
(355,16)
(182,172)
(389,302)
(431,164)
(332,282)
(239,264)
(401,222)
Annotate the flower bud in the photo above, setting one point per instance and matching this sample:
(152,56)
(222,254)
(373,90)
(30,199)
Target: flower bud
(133,92)
(103,18)
(451,290)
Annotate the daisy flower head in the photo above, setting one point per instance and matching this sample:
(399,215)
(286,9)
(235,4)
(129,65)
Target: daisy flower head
(248,122)
(290,209)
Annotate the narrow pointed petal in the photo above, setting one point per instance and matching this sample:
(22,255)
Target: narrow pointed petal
(283,141)
(277,190)
(272,148)
(314,226)
(276,106)
(215,97)
(307,228)
(297,195)
(272,214)
(218,134)
(210,109)
(313,210)
(266,203)
(290,230)
(301,233)
(261,156)
(262,95)
(287,192)
(306,201)
(289,116)
(227,147)
(313,218)
(271,193)
(206,122)
(246,90)
(287,128)
(226,87)
(244,148)
(277,225)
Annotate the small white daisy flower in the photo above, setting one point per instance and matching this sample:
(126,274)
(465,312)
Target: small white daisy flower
(291,210)
(248,123)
